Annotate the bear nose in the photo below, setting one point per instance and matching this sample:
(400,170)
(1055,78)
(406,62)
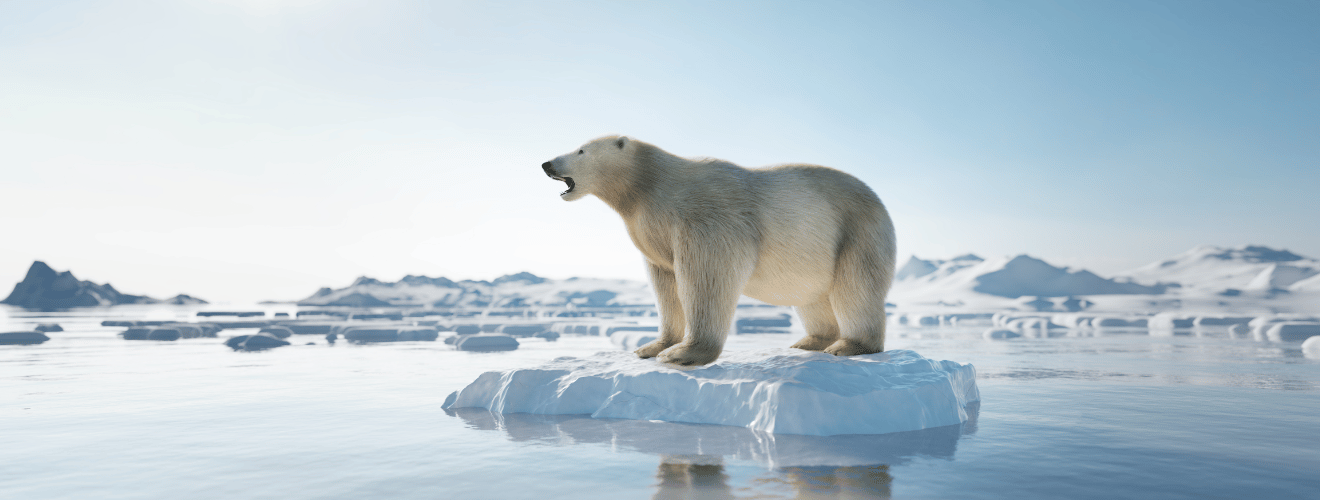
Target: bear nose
(546,167)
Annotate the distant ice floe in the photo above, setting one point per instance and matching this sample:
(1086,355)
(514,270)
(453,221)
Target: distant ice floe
(782,391)
(1311,348)
(1292,331)
(486,342)
(629,340)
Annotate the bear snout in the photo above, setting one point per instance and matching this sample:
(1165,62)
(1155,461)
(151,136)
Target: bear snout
(549,170)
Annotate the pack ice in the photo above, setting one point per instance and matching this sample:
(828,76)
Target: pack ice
(782,391)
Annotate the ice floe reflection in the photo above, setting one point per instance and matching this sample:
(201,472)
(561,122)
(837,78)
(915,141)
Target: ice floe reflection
(728,442)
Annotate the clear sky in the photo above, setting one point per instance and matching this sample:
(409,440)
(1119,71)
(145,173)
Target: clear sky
(246,149)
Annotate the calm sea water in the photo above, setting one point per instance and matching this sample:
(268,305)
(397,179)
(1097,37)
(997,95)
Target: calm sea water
(1121,415)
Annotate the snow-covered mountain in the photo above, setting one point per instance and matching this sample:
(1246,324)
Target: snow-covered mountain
(918,268)
(514,290)
(1217,269)
(1009,277)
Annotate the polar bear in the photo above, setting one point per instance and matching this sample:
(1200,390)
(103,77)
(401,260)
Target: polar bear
(797,235)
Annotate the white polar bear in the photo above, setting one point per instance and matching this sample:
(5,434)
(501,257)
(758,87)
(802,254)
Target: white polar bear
(800,235)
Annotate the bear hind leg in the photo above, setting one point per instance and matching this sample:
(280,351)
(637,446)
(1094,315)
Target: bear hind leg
(861,281)
(822,327)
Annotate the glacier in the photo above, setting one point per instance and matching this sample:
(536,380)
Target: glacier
(778,390)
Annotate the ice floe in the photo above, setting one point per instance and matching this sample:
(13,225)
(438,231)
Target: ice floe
(1311,348)
(486,342)
(784,391)
(629,340)
(1291,331)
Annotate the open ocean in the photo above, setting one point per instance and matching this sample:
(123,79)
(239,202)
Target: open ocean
(1114,414)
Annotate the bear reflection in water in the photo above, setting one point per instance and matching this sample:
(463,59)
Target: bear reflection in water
(692,476)
(851,466)
(703,477)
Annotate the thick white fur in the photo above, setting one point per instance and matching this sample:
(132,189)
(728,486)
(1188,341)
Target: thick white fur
(800,235)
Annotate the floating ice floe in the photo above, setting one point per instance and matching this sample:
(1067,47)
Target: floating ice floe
(784,391)
(486,342)
(1311,348)
(1292,331)
(630,340)
(1000,333)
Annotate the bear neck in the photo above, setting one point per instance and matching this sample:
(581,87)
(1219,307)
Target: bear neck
(647,169)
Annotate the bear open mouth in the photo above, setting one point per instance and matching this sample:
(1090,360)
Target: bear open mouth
(550,172)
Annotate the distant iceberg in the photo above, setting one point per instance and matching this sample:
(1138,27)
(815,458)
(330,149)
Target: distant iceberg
(783,391)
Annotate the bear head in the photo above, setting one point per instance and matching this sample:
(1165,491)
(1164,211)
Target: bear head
(588,169)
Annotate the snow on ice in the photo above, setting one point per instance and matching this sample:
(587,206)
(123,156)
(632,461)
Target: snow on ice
(783,391)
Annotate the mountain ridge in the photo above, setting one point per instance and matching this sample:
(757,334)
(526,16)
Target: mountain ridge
(44,288)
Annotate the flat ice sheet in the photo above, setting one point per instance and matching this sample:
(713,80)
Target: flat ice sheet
(779,390)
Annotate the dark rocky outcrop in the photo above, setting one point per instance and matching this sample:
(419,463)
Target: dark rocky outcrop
(13,338)
(277,331)
(256,342)
(151,333)
(184,300)
(525,277)
(44,288)
(486,342)
(49,327)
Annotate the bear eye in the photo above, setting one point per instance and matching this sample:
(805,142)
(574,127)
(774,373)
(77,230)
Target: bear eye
(581,151)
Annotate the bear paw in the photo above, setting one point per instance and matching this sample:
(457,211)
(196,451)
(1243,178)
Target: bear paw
(846,347)
(651,349)
(684,354)
(811,343)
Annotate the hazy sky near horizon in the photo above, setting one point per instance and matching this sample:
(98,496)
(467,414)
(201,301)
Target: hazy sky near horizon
(242,150)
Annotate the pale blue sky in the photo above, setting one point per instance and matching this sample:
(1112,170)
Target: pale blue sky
(248,149)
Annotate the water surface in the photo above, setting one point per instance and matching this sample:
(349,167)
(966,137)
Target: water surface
(1120,414)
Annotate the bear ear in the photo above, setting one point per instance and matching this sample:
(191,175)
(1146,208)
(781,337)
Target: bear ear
(621,142)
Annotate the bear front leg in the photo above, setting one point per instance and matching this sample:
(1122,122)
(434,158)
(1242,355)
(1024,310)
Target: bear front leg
(671,312)
(711,275)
